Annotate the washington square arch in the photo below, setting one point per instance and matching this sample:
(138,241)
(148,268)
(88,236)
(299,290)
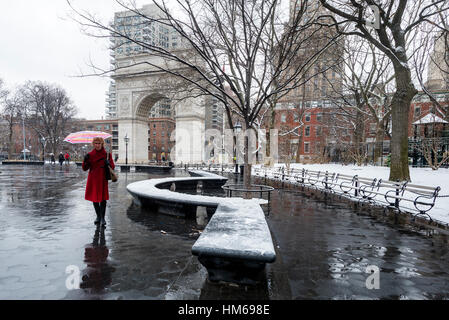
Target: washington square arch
(138,88)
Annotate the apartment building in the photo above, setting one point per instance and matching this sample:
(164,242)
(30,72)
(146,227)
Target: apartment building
(139,28)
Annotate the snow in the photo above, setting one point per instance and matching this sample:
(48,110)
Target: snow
(149,189)
(430,118)
(419,176)
(237,230)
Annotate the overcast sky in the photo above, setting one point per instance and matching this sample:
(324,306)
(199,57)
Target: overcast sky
(39,41)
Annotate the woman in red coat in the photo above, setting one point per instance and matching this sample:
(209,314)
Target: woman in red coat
(97,185)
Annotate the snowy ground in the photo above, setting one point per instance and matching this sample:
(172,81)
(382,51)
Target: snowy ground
(421,176)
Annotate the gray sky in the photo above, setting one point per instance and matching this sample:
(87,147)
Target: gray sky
(40,42)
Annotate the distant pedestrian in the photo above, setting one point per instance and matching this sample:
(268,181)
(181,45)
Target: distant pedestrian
(67,158)
(61,159)
(53,159)
(97,191)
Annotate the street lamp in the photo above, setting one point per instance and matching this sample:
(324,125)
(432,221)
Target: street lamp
(237,129)
(126,142)
(23,134)
(43,152)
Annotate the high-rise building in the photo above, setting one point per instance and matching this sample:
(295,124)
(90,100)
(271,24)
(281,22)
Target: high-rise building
(111,102)
(438,71)
(140,28)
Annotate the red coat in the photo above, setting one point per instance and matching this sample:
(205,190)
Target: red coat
(97,185)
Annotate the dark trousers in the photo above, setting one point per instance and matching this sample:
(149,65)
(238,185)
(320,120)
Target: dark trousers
(100,207)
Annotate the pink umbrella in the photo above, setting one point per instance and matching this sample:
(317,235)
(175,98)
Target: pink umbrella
(86,136)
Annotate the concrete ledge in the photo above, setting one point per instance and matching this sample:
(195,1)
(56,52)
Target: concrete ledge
(142,168)
(23,162)
(236,243)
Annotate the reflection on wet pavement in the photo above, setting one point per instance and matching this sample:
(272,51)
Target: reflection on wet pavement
(323,247)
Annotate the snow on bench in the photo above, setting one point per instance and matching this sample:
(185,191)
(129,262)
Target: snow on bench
(236,243)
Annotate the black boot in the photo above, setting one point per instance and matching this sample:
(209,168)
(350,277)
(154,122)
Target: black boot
(98,212)
(103,213)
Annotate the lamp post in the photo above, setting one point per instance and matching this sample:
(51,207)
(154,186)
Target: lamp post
(43,152)
(23,133)
(126,143)
(237,129)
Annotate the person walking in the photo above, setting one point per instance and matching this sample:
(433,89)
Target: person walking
(61,159)
(97,191)
(67,158)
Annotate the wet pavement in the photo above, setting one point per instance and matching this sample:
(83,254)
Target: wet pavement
(323,247)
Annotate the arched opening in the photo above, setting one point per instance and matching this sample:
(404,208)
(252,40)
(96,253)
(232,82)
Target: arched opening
(158,113)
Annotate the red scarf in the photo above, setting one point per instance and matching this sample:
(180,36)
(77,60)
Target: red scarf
(95,155)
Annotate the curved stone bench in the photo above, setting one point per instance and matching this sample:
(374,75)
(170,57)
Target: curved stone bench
(156,194)
(236,243)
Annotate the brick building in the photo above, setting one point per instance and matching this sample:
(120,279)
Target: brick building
(160,136)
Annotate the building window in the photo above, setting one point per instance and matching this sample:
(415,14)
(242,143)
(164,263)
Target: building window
(372,128)
(154,133)
(308,117)
(417,112)
(318,131)
(319,117)
(306,147)
(284,118)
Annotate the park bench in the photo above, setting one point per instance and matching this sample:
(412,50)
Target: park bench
(399,195)
(236,244)
(330,180)
(313,177)
(355,183)
(422,197)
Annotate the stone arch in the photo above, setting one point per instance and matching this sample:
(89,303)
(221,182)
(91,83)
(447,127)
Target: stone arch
(146,103)
(137,93)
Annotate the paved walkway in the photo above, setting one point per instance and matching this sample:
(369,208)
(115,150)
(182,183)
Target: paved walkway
(323,248)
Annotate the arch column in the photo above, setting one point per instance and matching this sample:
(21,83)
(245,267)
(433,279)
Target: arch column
(137,130)
(190,131)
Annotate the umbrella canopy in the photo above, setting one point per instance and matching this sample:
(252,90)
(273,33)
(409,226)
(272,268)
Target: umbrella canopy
(86,136)
(430,118)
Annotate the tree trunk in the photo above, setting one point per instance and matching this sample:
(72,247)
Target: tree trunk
(378,152)
(247,169)
(405,91)
(268,133)
(298,151)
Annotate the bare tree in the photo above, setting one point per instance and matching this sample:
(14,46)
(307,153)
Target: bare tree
(12,105)
(396,21)
(241,52)
(3,91)
(365,98)
(48,111)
